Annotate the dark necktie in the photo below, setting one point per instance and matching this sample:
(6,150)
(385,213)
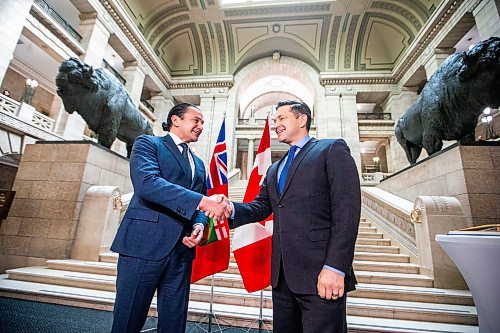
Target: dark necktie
(284,172)
(185,152)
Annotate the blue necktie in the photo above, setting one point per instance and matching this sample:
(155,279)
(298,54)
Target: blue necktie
(185,152)
(284,172)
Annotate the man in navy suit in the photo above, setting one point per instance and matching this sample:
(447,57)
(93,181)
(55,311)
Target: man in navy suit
(314,194)
(162,224)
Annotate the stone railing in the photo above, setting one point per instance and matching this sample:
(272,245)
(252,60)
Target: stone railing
(102,211)
(42,121)
(414,227)
(374,116)
(23,117)
(8,105)
(373,178)
(56,17)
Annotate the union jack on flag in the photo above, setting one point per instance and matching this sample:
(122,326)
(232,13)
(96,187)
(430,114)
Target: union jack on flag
(217,175)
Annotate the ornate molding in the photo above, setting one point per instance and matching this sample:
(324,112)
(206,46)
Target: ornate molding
(429,36)
(365,80)
(148,55)
(277,10)
(88,16)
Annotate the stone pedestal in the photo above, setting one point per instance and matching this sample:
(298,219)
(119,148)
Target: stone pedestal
(51,183)
(470,173)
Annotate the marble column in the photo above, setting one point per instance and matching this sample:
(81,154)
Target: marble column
(341,118)
(12,23)
(95,38)
(487,17)
(162,103)
(213,107)
(134,77)
(435,58)
(250,157)
(397,104)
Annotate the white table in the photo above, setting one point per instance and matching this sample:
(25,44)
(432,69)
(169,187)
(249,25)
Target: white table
(477,256)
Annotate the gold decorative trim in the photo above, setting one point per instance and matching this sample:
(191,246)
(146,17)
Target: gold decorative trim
(415,215)
(117,200)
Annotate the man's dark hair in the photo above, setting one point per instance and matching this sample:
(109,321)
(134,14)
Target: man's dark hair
(298,108)
(179,110)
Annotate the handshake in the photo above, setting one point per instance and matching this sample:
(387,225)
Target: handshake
(217,207)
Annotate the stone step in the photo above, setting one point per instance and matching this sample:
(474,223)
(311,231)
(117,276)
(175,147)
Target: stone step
(371,266)
(370,235)
(365,224)
(389,267)
(381,257)
(413,294)
(371,241)
(103,268)
(391,309)
(397,279)
(106,282)
(367,229)
(377,248)
(103,300)
(108,257)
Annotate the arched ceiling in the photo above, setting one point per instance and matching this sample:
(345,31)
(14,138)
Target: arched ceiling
(203,37)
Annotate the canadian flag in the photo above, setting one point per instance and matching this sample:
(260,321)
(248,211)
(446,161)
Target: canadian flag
(252,242)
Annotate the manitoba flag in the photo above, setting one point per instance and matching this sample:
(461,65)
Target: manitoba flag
(252,242)
(213,256)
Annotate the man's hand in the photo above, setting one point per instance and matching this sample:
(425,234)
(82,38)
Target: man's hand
(216,206)
(195,237)
(330,284)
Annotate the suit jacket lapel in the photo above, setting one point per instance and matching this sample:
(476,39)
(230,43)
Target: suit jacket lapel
(170,144)
(198,172)
(296,162)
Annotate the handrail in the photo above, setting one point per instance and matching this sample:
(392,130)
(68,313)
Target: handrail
(374,116)
(113,71)
(62,22)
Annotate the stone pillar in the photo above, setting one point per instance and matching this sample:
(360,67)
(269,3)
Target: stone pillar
(341,118)
(162,104)
(397,104)
(487,18)
(95,38)
(213,107)
(134,77)
(250,157)
(329,120)
(349,116)
(12,23)
(434,59)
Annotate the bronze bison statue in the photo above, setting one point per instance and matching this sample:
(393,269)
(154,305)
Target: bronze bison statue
(452,100)
(102,101)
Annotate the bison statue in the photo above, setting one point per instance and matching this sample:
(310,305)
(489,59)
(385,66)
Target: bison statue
(102,101)
(452,100)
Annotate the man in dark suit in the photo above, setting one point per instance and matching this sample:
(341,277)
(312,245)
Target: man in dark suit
(314,194)
(163,222)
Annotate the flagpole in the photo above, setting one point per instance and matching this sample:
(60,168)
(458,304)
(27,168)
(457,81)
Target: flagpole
(211,313)
(261,319)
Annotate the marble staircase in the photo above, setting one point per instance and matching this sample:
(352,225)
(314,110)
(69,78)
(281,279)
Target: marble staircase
(392,294)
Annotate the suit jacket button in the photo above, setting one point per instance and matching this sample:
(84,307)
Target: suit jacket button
(280,205)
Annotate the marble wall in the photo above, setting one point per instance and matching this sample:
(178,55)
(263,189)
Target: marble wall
(51,183)
(470,173)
